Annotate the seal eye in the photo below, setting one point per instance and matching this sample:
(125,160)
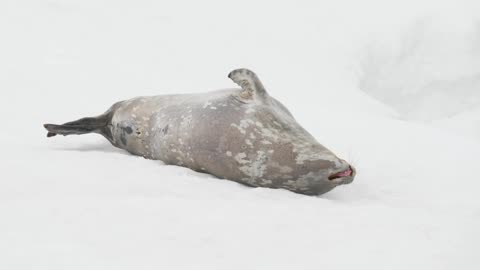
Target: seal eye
(347,172)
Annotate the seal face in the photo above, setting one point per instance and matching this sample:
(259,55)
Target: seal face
(244,135)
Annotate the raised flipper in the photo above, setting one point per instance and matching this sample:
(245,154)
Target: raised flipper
(252,88)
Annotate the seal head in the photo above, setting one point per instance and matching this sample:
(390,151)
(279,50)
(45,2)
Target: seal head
(285,154)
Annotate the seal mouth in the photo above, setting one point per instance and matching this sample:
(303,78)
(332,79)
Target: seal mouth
(346,173)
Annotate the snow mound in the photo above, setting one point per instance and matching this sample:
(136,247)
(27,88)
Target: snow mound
(430,73)
(383,84)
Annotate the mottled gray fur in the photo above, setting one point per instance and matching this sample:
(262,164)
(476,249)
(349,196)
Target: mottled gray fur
(243,135)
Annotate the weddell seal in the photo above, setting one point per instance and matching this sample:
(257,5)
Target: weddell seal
(244,135)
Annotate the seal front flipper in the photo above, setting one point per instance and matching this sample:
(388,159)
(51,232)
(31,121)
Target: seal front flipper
(252,87)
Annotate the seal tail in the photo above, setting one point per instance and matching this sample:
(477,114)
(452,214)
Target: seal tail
(82,126)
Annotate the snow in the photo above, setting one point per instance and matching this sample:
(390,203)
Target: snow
(391,86)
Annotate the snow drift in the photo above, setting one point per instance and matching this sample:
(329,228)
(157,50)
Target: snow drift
(401,79)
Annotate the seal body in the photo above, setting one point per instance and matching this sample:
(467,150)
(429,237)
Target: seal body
(244,135)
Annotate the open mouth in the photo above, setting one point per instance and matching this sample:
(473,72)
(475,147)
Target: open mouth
(347,172)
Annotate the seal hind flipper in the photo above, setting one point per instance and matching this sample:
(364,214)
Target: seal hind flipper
(252,87)
(82,126)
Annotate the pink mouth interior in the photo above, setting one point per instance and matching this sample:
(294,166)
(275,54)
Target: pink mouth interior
(345,173)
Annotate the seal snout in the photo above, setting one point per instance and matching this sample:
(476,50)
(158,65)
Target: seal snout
(345,173)
(343,177)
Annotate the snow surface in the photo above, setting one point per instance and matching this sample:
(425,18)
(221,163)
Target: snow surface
(394,87)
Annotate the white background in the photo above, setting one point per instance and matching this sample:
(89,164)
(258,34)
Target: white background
(392,86)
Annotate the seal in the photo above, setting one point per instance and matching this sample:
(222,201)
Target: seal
(244,135)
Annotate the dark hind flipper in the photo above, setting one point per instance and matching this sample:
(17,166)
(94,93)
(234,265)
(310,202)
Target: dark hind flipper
(82,126)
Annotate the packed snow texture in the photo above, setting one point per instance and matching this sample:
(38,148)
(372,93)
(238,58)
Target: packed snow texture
(392,86)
